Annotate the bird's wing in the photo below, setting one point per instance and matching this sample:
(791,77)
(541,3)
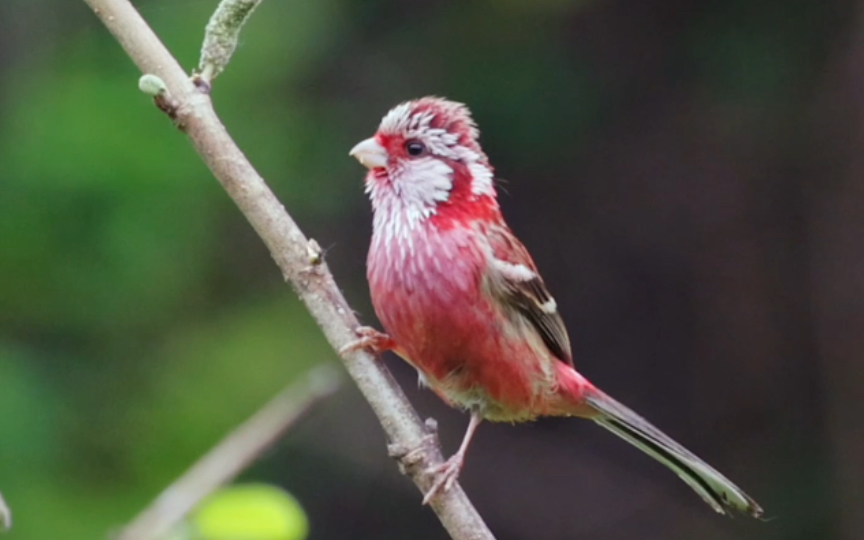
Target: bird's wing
(515,280)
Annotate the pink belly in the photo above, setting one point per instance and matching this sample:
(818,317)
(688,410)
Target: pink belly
(467,350)
(428,294)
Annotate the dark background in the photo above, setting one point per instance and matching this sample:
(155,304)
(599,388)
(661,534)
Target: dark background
(687,175)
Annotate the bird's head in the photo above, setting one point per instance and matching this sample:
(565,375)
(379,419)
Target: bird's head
(426,155)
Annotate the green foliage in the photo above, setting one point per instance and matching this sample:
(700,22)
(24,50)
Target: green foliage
(250,512)
(121,359)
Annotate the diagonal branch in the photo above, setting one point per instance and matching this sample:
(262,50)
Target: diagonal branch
(5,515)
(299,260)
(233,454)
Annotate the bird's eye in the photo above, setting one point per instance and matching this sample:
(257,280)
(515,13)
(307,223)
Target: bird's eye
(415,148)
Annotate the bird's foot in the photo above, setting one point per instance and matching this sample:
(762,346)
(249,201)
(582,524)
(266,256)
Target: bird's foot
(370,339)
(445,475)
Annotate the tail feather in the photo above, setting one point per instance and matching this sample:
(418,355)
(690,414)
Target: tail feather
(714,488)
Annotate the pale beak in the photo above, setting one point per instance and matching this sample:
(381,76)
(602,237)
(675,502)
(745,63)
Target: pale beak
(371,154)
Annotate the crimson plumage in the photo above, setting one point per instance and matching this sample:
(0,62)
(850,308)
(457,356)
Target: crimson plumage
(463,302)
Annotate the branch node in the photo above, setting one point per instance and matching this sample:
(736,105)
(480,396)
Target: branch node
(203,85)
(313,252)
(419,458)
(221,36)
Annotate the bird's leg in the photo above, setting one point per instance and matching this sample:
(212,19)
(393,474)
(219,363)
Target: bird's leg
(446,473)
(370,339)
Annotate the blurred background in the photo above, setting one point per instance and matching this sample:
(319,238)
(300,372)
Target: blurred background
(687,175)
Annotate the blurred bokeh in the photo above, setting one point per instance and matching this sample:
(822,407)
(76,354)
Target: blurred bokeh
(688,175)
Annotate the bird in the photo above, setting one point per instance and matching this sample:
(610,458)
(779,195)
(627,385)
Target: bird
(461,299)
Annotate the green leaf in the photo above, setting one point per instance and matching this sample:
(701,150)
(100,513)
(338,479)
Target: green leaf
(251,512)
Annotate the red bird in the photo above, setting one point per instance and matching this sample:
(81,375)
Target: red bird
(462,300)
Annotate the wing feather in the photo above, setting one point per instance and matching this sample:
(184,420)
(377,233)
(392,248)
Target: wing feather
(516,281)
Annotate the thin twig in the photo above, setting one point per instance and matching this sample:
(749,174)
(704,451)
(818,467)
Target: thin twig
(231,455)
(294,256)
(221,36)
(5,515)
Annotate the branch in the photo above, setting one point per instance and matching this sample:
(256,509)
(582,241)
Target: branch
(299,260)
(231,455)
(5,515)
(221,36)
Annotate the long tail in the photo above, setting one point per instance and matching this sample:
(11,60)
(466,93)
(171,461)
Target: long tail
(714,488)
